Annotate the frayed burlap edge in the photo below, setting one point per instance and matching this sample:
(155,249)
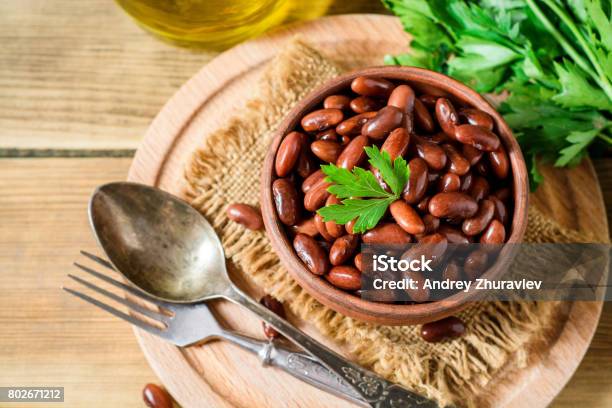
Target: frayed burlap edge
(501,335)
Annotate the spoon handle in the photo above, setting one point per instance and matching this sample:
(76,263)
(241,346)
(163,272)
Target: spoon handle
(377,391)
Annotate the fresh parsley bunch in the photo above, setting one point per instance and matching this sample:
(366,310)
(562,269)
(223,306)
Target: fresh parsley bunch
(363,197)
(551,58)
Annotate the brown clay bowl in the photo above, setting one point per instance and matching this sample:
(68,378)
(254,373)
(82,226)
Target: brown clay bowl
(346,303)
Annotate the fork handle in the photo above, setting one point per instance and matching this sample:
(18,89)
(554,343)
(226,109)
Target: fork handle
(376,391)
(298,365)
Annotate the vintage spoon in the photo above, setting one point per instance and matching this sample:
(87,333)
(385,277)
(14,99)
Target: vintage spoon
(167,249)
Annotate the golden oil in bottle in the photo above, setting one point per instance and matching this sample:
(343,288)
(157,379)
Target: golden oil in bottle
(209,24)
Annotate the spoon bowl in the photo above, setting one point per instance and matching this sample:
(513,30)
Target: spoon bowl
(160,243)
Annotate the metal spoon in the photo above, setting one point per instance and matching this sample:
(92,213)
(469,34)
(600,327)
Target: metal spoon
(167,249)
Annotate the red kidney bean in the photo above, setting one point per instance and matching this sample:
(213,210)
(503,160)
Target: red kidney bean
(429,100)
(472,154)
(500,213)
(275,306)
(494,234)
(449,327)
(311,253)
(368,86)
(344,140)
(431,223)
(406,217)
(246,215)
(322,228)
(306,226)
(430,246)
(479,188)
(421,293)
(480,220)
(344,277)
(329,134)
(402,98)
(313,179)
(387,234)
(358,261)
(449,182)
(306,164)
(349,226)
(315,197)
(440,138)
(499,162)
(422,117)
(452,272)
(363,104)
(352,126)
(353,154)
(155,396)
(447,116)
(286,201)
(466,182)
(387,119)
(458,164)
(334,229)
(326,150)
(477,117)
(340,102)
(288,153)
(321,119)
(453,235)
(452,205)
(477,136)
(417,181)
(343,249)
(396,144)
(433,154)
(475,263)
(503,194)
(423,205)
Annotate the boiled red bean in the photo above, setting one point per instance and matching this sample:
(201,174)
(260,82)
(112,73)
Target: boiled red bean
(466,182)
(311,253)
(503,194)
(286,201)
(423,205)
(431,246)
(480,220)
(406,217)
(457,163)
(479,188)
(246,215)
(386,234)
(477,117)
(306,226)
(500,213)
(329,135)
(288,153)
(422,117)
(306,165)
(333,229)
(477,136)
(499,162)
(275,306)
(452,272)
(431,223)
(368,86)
(449,182)
(312,180)
(421,292)
(322,228)
(363,104)
(387,119)
(475,263)
(453,235)
(452,205)
(321,119)
(353,154)
(417,181)
(433,154)
(429,100)
(449,327)
(494,234)
(326,150)
(352,126)
(343,249)
(447,116)
(315,196)
(344,277)
(358,261)
(340,102)
(396,143)
(472,154)
(155,396)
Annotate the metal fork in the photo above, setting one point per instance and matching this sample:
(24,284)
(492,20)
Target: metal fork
(188,324)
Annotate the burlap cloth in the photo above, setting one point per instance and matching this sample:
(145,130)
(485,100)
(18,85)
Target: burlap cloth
(500,335)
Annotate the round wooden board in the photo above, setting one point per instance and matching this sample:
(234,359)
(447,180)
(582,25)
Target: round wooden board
(222,375)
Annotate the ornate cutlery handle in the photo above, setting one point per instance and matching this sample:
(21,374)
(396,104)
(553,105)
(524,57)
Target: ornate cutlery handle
(377,391)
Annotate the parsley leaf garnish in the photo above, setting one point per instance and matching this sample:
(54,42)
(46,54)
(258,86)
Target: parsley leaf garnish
(364,198)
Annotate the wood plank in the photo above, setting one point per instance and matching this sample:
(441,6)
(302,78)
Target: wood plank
(81,74)
(49,338)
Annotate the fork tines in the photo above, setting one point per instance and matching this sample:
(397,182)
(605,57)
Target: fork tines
(153,322)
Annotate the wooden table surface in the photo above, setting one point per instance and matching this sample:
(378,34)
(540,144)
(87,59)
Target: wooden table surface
(79,84)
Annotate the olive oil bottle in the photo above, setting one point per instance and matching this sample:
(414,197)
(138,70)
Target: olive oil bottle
(217,24)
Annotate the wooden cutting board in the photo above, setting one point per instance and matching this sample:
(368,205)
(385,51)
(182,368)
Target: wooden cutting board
(220,374)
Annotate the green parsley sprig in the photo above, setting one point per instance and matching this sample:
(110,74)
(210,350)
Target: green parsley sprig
(362,196)
(552,58)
